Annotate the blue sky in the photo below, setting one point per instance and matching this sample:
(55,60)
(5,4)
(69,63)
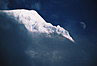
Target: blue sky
(67,13)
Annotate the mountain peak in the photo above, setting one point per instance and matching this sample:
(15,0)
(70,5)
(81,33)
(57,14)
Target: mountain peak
(33,22)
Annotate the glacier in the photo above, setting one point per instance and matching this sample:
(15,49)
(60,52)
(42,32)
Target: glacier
(34,23)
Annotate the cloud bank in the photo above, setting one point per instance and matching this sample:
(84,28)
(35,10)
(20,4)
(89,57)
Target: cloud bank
(14,4)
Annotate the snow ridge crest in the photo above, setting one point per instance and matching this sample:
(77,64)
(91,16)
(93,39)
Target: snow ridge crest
(35,23)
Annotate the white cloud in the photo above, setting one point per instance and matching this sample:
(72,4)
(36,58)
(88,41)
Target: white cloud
(37,6)
(3,4)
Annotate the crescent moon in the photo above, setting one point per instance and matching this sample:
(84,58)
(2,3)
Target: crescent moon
(83,24)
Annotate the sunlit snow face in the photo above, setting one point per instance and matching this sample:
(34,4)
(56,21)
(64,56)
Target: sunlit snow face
(33,22)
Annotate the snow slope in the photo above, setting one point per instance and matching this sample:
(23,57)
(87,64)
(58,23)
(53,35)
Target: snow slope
(34,23)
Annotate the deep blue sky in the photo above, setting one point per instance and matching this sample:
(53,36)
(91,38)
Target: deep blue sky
(69,14)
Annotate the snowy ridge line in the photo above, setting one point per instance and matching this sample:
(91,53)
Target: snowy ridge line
(35,23)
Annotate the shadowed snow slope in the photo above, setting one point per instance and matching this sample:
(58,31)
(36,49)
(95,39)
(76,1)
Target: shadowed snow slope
(34,23)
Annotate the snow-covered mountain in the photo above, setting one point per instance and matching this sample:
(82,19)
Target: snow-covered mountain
(26,39)
(34,23)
